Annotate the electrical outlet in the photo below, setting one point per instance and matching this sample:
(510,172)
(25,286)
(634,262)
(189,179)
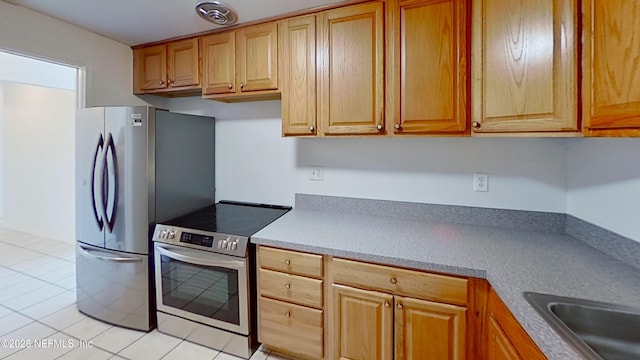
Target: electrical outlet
(481,182)
(317,173)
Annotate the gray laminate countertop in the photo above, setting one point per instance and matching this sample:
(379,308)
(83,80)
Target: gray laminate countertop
(512,260)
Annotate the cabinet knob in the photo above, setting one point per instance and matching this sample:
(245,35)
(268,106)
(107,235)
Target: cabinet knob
(161,82)
(397,126)
(379,127)
(399,306)
(287,262)
(311,128)
(287,314)
(241,85)
(475,125)
(387,304)
(287,286)
(169,82)
(393,281)
(230,86)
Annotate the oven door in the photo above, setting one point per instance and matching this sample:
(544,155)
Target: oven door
(202,286)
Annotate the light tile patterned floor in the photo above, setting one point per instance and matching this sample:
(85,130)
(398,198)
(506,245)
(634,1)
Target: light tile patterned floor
(37,302)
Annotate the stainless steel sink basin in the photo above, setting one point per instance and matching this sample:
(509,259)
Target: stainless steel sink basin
(597,330)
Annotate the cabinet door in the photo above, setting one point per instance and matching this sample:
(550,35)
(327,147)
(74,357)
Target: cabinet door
(151,67)
(183,63)
(351,71)
(500,348)
(430,80)
(298,61)
(524,66)
(219,63)
(257,57)
(611,74)
(362,324)
(429,330)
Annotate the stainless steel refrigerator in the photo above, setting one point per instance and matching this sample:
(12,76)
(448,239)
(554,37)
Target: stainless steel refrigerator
(135,166)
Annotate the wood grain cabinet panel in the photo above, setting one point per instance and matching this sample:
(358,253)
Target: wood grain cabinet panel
(292,288)
(167,69)
(219,63)
(524,66)
(291,262)
(506,338)
(362,324)
(183,63)
(298,63)
(399,281)
(257,57)
(428,66)
(150,66)
(292,328)
(429,330)
(500,348)
(611,73)
(351,70)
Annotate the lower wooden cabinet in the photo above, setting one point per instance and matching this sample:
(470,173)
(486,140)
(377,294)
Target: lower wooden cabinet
(294,329)
(291,312)
(376,325)
(362,324)
(506,338)
(429,330)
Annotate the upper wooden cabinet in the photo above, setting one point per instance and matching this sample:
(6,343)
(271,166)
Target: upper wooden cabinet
(611,67)
(351,70)
(242,64)
(524,66)
(298,73)
(428,64)
(173,67)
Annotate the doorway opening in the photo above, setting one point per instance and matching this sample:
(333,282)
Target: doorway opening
(38,100)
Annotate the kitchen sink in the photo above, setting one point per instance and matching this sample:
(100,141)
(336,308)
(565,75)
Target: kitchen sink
(597,330)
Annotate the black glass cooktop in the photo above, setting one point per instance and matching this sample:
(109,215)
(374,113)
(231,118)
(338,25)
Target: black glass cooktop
(230,217)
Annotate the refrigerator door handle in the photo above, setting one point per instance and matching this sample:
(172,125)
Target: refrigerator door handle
(88,253)
(94,200)
(111,177)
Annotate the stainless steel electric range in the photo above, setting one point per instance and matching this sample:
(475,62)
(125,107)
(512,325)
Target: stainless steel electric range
(204,269)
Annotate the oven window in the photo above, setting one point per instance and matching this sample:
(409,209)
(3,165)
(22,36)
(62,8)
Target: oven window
(204,290)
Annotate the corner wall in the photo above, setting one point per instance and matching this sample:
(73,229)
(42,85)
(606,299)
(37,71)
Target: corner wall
(603,178)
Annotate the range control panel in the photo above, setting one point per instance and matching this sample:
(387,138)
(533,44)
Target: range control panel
(214,242)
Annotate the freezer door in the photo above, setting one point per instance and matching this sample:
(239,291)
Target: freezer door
(129,178)
(90,144)
(114,287)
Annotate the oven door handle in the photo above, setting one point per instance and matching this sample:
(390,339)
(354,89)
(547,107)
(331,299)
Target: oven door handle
(210,259)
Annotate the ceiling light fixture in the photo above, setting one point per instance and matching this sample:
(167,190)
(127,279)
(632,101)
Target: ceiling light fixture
(216,12)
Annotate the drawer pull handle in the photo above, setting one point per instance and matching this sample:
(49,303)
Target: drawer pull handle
(386,304)
(287,286)
(287,262)
(399,306)
(393,281)
(288,314)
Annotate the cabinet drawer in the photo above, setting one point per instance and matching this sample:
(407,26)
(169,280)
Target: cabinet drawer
(418,284)
(291,262)
(293,288)
(288,327)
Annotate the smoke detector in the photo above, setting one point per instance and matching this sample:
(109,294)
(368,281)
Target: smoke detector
(216,12)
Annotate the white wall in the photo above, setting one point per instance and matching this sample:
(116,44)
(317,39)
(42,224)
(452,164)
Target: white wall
(254,163)
(108,64)
(1,157)
(604,183)
(38,161)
